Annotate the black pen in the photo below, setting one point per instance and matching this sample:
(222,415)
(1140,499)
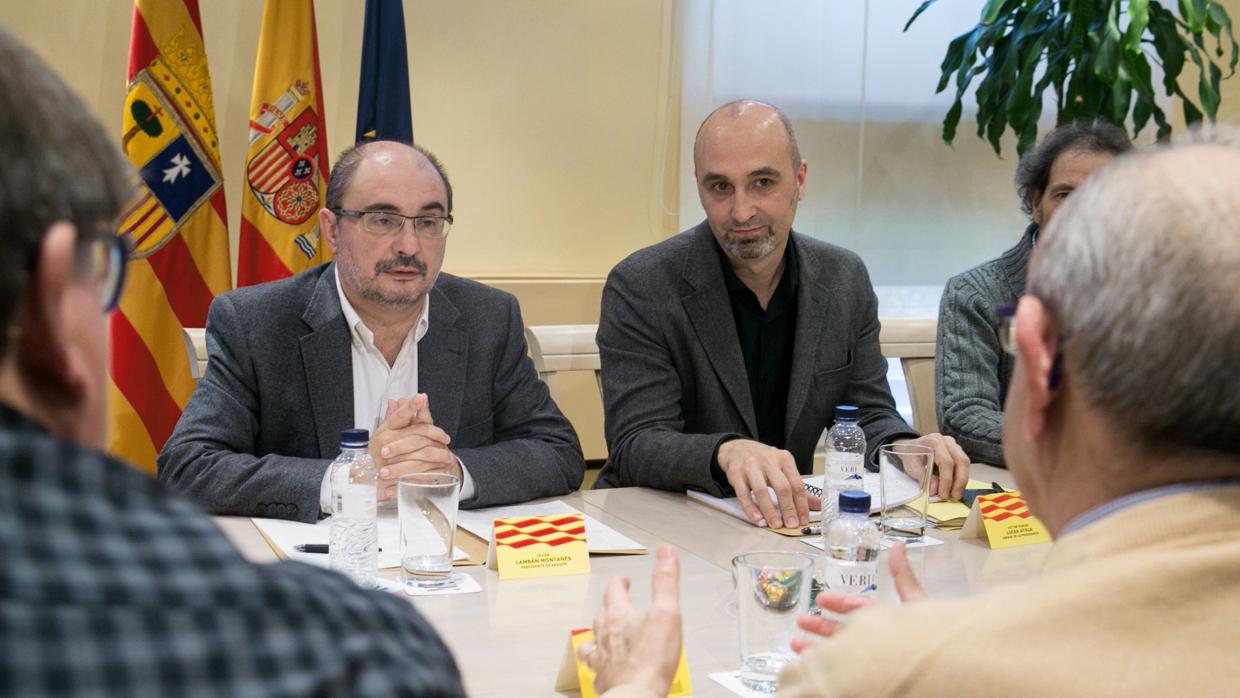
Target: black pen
(314,548)
(811,530)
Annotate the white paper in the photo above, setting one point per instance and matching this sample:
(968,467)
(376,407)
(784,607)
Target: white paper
(285,534)
(883,542)
(599,537)
(731,505)
(462,584)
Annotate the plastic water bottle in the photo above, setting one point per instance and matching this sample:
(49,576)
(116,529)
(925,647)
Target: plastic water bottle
(845,459)
(851,543)
(354,549)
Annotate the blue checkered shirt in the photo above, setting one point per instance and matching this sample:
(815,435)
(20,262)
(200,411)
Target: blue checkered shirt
(111,585)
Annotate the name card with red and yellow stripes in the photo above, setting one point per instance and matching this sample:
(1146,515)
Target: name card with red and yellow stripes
(1005,521)
(539,546)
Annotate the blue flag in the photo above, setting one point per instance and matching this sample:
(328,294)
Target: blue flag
(383,98)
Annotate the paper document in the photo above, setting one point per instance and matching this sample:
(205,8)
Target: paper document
(907,492)
(600,538)
(285,534)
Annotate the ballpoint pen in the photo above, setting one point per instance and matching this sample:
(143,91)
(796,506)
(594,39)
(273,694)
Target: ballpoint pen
(321,548)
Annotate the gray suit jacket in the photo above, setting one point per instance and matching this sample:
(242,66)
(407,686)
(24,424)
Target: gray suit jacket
(971,370)
(674,381)
(265,420)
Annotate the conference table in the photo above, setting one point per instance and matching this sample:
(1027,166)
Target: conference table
(510,639)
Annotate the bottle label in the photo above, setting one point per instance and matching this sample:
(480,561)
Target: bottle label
(355,500)
(844,466)
(852,580)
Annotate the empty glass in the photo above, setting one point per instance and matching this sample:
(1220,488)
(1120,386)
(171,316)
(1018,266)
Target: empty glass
(904,475)
(428,504)
(773,590)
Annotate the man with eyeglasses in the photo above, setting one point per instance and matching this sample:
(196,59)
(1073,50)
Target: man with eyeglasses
(434,365)
(113,585)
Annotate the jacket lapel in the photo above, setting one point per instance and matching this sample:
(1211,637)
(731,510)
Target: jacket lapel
(810,331)
(710,312)
(442,357)
(328,363)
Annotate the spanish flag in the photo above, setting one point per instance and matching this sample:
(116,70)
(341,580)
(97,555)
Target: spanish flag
(286,164)
(177,227)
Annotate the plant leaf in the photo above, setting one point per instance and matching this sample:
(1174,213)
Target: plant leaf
(951,121)
(917,14)
(1106,60)
(1191,12)
(991,11)
(1138,20)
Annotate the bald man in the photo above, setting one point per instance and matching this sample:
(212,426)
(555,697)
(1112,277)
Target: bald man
(726,349)
(435,366)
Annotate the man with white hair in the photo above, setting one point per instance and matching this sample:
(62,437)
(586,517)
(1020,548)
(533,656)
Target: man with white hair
(1122,429)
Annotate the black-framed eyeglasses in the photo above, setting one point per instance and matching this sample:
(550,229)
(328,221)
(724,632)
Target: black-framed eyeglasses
(1005,322)
(103,262)
(386,223)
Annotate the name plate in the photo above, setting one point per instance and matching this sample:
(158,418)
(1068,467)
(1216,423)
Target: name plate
(1005,521)
(575,673)
(539,546)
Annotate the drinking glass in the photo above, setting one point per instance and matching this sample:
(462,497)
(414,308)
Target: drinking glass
(904,475)
(773,590)
(427,510)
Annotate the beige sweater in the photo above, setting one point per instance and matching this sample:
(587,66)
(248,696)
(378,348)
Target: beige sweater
(1145,602)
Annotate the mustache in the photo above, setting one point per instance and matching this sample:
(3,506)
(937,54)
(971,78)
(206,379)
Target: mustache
(400,261)
(731,227)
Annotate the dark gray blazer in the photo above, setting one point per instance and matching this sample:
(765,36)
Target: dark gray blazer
(971,370)
(674,381)
(265,420)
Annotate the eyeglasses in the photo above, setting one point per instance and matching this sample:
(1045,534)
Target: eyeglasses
(1005,318)
(103,261)
(386,223)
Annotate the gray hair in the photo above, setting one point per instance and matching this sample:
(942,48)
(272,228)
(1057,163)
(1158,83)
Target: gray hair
(348,160)
(1140,280)
(59,164)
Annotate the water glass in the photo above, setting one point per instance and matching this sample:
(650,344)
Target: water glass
(773,590)
(904,475)
(427,509)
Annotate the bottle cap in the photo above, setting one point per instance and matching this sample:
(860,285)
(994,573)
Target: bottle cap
(847,413)
(354,438)
(854,502)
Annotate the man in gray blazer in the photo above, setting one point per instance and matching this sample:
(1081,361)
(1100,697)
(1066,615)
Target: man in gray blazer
(726,348)
(434,365)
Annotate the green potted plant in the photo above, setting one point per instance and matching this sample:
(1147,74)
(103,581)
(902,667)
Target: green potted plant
(1095,54)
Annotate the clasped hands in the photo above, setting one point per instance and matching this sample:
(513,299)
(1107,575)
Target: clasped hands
(751,467)
(642,650)
(407,441)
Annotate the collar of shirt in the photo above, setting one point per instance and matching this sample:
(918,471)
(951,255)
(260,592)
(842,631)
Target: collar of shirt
(1115,505)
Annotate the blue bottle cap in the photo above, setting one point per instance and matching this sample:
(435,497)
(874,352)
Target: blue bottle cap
(854,502)
(354,438)
(847,413)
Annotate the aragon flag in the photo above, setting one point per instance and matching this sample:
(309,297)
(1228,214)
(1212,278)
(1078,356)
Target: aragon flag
(286,163)
(383,111)
(178,227)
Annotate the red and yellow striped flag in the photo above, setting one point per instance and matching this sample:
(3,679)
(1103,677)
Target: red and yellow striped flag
(286,164)
(178,227)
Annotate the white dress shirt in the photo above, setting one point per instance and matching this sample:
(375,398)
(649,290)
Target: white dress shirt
(375,382)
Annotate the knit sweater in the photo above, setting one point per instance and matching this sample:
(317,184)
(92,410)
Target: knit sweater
(1140,603)
(971,370)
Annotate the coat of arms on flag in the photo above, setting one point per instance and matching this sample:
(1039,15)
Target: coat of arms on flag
(168,137)
(283,175)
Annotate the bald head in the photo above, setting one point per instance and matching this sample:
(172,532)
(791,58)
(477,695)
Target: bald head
(1138,271)
(382,152)
(745,116)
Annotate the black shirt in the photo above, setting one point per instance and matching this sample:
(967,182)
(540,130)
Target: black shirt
(766,338)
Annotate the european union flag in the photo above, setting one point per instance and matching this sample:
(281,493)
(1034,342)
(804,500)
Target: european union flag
(383,99)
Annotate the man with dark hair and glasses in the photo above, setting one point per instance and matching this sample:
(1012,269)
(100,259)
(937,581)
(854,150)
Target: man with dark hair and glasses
(971,370)
(434,365)
(112,585)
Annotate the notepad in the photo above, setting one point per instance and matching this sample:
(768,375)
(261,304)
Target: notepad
(282,535)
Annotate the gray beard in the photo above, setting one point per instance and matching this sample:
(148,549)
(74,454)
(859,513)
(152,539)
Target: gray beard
(751,250)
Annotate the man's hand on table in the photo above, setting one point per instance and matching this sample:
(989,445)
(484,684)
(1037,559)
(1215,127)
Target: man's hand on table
(631,648)
(953,465)
(907,586)
(409,442)
(751,467)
